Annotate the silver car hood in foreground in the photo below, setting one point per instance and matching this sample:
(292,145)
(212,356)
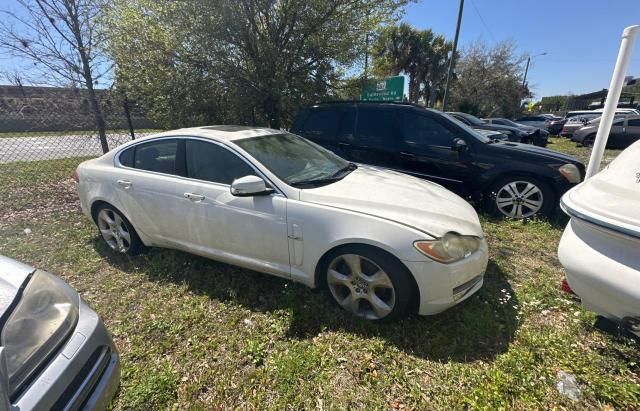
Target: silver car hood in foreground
(398,197)
(13,274)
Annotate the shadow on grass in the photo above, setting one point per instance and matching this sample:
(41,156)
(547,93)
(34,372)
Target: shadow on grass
(477,329)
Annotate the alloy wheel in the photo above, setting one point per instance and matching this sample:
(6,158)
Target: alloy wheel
(114,230)
(519,199)
(361,287)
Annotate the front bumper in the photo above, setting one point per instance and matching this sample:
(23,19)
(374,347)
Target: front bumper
(442,286)
(84,374)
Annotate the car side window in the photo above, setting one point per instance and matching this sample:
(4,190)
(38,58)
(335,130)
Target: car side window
(634,122)
(424,130)
(126,157)
(376,126)
(211,162)
(322,124)
(159,156)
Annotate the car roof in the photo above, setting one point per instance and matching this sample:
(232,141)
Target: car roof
(219,132)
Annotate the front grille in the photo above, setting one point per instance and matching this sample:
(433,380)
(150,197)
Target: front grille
(83,384)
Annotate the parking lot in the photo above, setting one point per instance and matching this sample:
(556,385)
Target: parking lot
(194,333)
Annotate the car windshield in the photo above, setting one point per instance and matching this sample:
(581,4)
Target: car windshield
(296,161)
(466,128)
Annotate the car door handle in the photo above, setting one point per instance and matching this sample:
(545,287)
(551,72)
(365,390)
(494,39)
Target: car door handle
(408,155)
(344,144)
(194,197)
(125,184)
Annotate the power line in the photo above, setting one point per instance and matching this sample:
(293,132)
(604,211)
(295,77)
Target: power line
(473,3)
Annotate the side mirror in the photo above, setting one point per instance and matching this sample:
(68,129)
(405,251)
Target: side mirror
(459,145)
(249,186)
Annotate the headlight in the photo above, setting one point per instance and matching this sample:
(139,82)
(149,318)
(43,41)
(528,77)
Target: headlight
(571,173)
(450,248)
(42,320)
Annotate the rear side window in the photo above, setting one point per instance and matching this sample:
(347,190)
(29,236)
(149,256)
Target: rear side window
(211,162)
(634,122)
(376,125)
(424,130)
(322,124)
(158,156)
(126,157)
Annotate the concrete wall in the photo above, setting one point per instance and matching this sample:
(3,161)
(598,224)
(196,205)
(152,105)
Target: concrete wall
(29,108)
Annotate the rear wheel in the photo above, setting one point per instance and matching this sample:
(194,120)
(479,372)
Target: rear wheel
(520,197)
(368,282)
(589,140)
(117,232)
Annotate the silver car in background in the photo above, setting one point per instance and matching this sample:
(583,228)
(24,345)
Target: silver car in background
(56,353)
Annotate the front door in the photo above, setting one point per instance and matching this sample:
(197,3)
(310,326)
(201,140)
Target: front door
(248,231)
(427,152)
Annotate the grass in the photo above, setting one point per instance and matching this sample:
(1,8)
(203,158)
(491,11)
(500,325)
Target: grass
(194,333)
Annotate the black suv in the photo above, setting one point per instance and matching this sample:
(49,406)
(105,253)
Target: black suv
(512,179)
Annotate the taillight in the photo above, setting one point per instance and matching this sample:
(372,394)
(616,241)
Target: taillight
(564,286)
(76,176)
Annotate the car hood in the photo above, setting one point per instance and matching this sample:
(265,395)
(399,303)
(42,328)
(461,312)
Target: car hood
(394,196)
(12,277)
(531,150)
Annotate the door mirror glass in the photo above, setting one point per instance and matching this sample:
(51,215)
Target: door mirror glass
(459,145)
(249,186)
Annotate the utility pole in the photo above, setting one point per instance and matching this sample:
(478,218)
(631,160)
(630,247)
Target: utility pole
(366,56)
(453,57)
(526,70)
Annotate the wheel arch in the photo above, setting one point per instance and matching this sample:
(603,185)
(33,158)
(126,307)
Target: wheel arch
(95,206)
(319,274)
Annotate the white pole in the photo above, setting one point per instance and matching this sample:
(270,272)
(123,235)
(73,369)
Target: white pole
(629,37)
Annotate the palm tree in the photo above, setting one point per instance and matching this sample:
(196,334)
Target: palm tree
(420,54)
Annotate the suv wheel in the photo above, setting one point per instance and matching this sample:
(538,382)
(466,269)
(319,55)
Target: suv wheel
(520,197)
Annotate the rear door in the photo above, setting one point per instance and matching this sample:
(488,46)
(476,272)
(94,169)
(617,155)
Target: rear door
(324,125)
(150,188)
(632,131)
(426,150)
(376,137)
(617,137)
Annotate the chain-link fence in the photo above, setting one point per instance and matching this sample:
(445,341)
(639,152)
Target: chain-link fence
(43,129)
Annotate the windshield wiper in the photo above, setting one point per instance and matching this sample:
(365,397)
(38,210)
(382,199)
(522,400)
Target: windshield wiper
(316,182)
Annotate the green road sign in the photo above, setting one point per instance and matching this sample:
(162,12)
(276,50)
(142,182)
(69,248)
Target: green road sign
(389,89)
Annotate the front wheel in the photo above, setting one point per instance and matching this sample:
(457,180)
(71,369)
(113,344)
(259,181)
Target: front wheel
(589,140)
(368,283)
(520,197)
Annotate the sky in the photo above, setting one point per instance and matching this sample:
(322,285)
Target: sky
(581,37)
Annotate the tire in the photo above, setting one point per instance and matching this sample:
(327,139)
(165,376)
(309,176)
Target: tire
(589,140)
(534,198)
(380,275)
(116,231)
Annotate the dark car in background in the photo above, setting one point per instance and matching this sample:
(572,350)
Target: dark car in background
(624,132)
(510,123)
(552,123)
(513,133)
(511,179)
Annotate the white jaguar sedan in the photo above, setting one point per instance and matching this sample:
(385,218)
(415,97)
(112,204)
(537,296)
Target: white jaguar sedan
(271,201)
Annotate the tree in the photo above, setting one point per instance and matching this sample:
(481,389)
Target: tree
(61,39)
(488,80)
(420,54)
(243,61)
